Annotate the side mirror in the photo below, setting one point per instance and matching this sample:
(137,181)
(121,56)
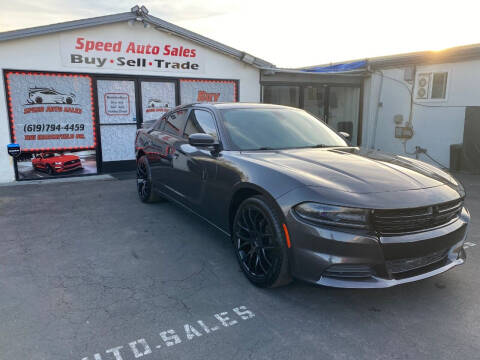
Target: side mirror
(202,140)
(345,135)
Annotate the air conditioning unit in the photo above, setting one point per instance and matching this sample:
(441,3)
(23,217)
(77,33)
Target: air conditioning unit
(422,86)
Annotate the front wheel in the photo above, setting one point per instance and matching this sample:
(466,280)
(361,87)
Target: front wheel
(145,189)
(260,243)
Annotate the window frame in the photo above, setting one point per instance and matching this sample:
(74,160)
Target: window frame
(215,121)
(180,132)
(429,98)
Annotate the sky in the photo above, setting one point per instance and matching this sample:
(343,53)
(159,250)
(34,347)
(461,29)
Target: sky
(286,33)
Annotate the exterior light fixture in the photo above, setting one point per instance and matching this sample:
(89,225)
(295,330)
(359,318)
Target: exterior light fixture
(247,58)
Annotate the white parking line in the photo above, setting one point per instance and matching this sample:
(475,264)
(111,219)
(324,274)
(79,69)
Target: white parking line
(170,337)
(468,244)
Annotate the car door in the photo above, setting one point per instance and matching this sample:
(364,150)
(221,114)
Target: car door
(42,161)
(156,150)
(195,168)
(170,140)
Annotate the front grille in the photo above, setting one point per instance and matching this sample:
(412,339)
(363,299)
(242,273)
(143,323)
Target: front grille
(402,265)
(348,271)
(416,219)
(71,162)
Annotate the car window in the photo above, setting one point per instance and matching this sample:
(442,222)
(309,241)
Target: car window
(160,124)
(200,121)
(264,128)
(175,122)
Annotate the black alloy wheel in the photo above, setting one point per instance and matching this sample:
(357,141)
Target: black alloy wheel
(50,170)
(259,243)
(69,100)
(145,189)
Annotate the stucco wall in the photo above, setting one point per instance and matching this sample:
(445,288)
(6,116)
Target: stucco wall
(44,53)
(435,128)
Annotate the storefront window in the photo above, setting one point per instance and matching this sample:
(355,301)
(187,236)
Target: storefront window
(281,95)
(343,110)
(314,101)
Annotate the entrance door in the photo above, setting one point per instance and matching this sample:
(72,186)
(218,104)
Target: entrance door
(117,112)
(314,100)
(343,110)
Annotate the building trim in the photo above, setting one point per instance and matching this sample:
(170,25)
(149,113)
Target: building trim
(155,22)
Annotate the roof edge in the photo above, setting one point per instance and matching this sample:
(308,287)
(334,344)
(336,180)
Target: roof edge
(157,23)
(65,26)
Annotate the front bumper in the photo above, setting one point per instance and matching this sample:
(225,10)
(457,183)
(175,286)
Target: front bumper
(370,261)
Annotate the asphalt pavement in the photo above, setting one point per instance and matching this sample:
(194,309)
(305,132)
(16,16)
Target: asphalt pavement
(87,271)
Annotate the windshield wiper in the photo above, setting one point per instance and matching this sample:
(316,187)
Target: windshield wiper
(320,146)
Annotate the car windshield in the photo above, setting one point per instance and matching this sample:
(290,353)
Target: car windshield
(273,128)
(49,155)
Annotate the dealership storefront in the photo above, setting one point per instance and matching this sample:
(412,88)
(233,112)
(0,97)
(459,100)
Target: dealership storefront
(335,98)
(75,93)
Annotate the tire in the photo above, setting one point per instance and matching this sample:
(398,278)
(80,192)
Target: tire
(50,170)
(260,244)
(38,100)
(69,100)
(145,188)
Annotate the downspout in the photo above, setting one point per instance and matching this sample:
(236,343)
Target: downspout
(375,123)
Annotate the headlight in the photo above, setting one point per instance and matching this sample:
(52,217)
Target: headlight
(333,215)
(58,163)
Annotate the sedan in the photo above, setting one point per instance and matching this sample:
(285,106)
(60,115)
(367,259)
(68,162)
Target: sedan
(298,201)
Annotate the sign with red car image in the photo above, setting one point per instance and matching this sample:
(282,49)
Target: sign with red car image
(51,111)
(51,114)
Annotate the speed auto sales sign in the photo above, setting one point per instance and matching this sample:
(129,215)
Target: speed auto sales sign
(51,111)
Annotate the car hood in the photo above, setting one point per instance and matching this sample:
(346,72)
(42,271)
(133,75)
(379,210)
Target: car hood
(354,170)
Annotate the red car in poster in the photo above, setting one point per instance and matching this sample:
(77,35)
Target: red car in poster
(54,163)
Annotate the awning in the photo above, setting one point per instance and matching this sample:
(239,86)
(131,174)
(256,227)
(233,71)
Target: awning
(356,65)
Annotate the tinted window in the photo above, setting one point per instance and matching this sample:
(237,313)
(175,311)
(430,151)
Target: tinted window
(281,95)
(439,85)
(277,129)
(175,122)
(200,121)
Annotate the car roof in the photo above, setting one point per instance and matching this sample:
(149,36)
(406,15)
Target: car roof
(236,105)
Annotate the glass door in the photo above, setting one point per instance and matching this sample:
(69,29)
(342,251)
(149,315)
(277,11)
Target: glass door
(117,112)
(343,110)
(314,100)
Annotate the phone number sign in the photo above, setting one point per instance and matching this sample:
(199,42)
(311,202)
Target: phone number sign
(51,112)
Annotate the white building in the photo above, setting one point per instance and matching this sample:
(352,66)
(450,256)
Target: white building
(416,104)
(75,93)
(83,87)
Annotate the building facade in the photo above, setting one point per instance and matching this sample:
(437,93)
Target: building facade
(424,105)
(75,93)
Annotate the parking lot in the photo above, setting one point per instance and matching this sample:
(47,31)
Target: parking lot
(87,271)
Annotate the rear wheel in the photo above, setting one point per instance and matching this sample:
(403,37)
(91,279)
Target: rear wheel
(260,244)
(145,189)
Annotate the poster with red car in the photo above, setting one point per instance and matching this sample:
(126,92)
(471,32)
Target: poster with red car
(52,118)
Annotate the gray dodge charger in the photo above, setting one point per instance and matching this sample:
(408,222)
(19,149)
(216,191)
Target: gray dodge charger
(298,201)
